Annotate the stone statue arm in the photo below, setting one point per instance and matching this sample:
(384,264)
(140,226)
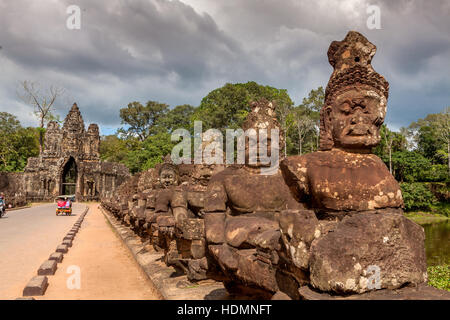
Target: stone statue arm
(215,208)
(295,174)
(179,204)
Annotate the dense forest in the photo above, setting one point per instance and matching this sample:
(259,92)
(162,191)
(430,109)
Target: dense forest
(417,155)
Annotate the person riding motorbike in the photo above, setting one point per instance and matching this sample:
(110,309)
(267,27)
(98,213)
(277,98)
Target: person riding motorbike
(2,204)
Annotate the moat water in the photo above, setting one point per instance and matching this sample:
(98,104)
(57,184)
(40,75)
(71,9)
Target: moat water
(437,243)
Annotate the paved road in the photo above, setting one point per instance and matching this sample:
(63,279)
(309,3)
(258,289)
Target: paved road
(27,238)
(107,268)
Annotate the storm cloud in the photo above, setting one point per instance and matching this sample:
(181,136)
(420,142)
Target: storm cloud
(177,51)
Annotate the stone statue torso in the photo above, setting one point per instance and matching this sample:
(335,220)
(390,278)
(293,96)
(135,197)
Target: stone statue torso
(245,192)
(341,181)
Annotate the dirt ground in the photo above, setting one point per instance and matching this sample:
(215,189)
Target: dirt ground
(107,268)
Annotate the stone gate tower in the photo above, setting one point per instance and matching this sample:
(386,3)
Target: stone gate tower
(70,163)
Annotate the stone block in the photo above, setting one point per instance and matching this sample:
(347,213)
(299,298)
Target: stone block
(69,237)
(62,248)
(57,256)
(68,243)
(365,246)
(36,286)
(48,268)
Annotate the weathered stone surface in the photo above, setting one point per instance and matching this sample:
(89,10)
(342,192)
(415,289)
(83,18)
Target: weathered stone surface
(62,248)
(165,221)
(339,181)
(68,243)
(343,261)
(281,296)
(69,237)
(57,256)
(36,286)
(244,231)
(191,229)
(299,228)
(48,268)
(11,185)
(214,230)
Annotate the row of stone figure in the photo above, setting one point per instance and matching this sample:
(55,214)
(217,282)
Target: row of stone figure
(248,230)
(330,220)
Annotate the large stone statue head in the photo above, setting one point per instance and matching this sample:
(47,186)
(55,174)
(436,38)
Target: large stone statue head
(355,98)
(263,116)
(168,173)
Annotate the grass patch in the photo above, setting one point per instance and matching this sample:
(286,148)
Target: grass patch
(439,277)
(422,218)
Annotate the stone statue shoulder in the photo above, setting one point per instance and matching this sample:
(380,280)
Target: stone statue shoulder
(337,180)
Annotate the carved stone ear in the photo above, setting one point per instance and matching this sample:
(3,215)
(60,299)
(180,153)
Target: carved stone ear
(326,138)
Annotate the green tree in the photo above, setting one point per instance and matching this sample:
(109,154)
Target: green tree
(417,196)
(410,166)
(148,153)
(390,142)
(17,144)
(142,121)
(314,102)
(304,124)
(306,121)
(431,136)
(228,106)
(113,149)
(443,131)
(177,118)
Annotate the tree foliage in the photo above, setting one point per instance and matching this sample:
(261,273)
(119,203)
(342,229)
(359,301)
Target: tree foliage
(227,107)
(17,143)
(305,119)
(417,196)
(142,121)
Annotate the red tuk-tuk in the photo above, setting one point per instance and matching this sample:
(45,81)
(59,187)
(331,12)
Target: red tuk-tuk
(64,206)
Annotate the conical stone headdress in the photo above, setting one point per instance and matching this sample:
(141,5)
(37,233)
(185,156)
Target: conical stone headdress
(168,165)
(263,116)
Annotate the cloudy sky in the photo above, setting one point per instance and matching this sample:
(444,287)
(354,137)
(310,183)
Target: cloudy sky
(177,51)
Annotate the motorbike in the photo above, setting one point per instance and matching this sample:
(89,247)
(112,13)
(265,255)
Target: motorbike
(2,208)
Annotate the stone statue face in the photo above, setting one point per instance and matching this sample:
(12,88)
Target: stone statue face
(265,147)
(168,178)
(355,118)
